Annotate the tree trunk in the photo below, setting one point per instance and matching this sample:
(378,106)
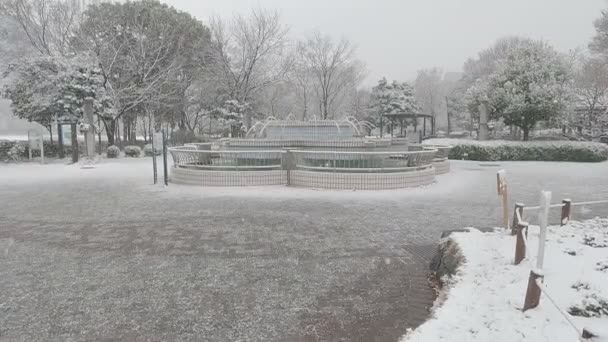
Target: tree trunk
(145,130)
(50,128)
(99,134)
(449,123)
(110,131)
(133,131)
(483,123)
(526,132)
(125,129)
(248,119)
(60,149)
(116,135)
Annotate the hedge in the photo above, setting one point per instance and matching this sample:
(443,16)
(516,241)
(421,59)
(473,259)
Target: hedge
(571,151)
(113,151)
(50,150)
(132,151)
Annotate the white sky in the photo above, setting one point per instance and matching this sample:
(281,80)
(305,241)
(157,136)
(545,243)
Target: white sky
(395,38)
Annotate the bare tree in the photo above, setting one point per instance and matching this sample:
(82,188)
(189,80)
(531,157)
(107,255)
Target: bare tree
(48,24)
(591,87)
(202,99)
(359,101)
(301,81)
(250,54)
(14,44)
(429,91)
(333,67)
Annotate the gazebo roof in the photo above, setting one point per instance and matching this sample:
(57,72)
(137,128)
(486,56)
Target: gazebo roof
(407,115)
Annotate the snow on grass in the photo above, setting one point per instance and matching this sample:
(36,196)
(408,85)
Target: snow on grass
(140,170)
(485,302)
(62,170)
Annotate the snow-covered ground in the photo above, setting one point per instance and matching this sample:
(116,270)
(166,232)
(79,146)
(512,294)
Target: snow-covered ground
(485,300)
(102,254)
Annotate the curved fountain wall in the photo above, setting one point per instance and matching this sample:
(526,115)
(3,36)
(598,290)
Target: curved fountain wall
(300,158)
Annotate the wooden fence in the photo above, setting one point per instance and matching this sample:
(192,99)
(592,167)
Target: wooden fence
(519,229)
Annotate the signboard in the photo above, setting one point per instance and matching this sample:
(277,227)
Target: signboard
(66,132)
(36,142)
(157,141)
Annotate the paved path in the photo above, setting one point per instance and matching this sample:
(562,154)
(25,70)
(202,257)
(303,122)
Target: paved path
(135,262)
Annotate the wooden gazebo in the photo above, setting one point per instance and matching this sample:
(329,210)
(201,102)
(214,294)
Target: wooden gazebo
(400,117)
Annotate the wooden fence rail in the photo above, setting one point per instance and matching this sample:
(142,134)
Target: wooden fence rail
(519,228)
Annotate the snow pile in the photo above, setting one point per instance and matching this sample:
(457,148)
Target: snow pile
(485,302)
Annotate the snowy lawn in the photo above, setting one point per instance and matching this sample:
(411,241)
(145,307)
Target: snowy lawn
(102,254)
(487,293)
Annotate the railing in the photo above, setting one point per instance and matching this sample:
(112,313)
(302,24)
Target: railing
(200,146)
(351,162)
(189,157)
(363,170)
(302,143)
(442,151)
(343,161)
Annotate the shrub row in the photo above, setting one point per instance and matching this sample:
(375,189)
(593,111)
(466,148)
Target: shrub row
(19,150)
(530,151)
(50,150)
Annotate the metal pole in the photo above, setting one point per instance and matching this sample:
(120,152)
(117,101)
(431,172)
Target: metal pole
(381,116)
(166,175)
(41,149)
(424,126)
(29,148)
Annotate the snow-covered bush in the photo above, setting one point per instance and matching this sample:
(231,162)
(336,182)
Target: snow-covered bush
(132,151)
(16,152)
(148,150)
(113,151)
(572,151)
(590,306)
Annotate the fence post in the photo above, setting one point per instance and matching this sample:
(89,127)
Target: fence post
(566,211)
(520,243)
(533,292)
(543,219)
(588,334)
(288,163)
(502,189)
(505,205)
(519,208)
